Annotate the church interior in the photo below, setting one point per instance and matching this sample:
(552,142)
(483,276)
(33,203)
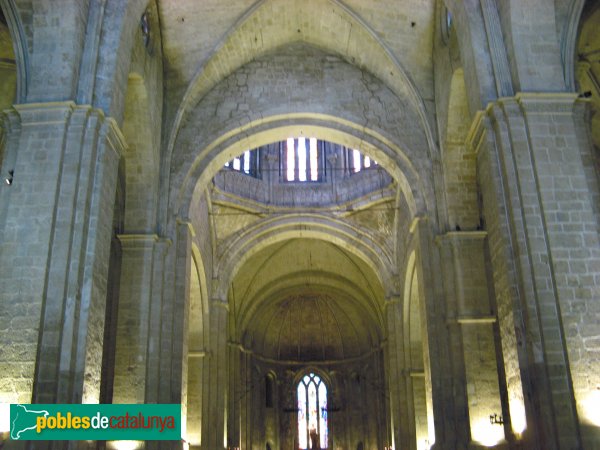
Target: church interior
(314,224)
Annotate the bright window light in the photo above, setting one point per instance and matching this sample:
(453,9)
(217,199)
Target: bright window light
(301,159)
(247,161)
(314,163)
(290,160)
(355,160)
(312,411)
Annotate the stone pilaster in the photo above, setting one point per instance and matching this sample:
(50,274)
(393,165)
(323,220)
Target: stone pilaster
(271,170)
(438,355)
(167,360)
(54,251)
(133,325)
(472,315)
(395,369)
(541,222)
(158,283)
(197,337)
(194,402)
(246,409)
(235,391)
(216,381)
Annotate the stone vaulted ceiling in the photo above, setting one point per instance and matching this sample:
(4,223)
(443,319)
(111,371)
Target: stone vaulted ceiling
(204,41)
(301,298)
(306,299)
(588,64)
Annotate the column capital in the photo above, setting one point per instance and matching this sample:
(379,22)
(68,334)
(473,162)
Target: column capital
(474,138)
(112,133)
(455,237)
(49,113)
(11,120)
(528,103)
(219,303)
(546,102)
(66,114)
(140,241)
(186,222)
(392,301)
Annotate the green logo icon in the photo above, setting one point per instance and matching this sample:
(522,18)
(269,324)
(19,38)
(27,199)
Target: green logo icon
(23,419)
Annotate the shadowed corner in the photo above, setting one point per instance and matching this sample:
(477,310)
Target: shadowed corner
(587,429)
(3,438)
(4,423)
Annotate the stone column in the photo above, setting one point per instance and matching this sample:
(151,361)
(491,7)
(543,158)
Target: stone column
(133,323)
(246,410)
(271,173)
(453,285)
(137,355)
(395,369)
(334,174)
(442,358)
(196,353)
(55,238)
(545,252)
(235,390)
(159,281)
(216,382)
(167,360)
(473,316)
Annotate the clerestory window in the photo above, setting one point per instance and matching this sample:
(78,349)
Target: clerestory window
(248,163)
(302,159)
(356,161)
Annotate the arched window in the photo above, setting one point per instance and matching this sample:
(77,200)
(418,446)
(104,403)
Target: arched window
(302,159)
(355,161)
(269,381)
(312,412)
(248,163)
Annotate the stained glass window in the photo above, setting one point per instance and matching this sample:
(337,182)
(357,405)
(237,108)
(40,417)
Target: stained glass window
(312,412)
(302,426)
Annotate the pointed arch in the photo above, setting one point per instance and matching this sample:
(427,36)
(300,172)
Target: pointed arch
(568,47)
(420,407)
(196,345)
(269,232)
(362,47)
(141,158)
(197,173)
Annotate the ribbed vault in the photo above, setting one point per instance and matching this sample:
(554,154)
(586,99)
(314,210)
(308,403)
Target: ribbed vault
(307,300)
(310,326)
(325,24)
